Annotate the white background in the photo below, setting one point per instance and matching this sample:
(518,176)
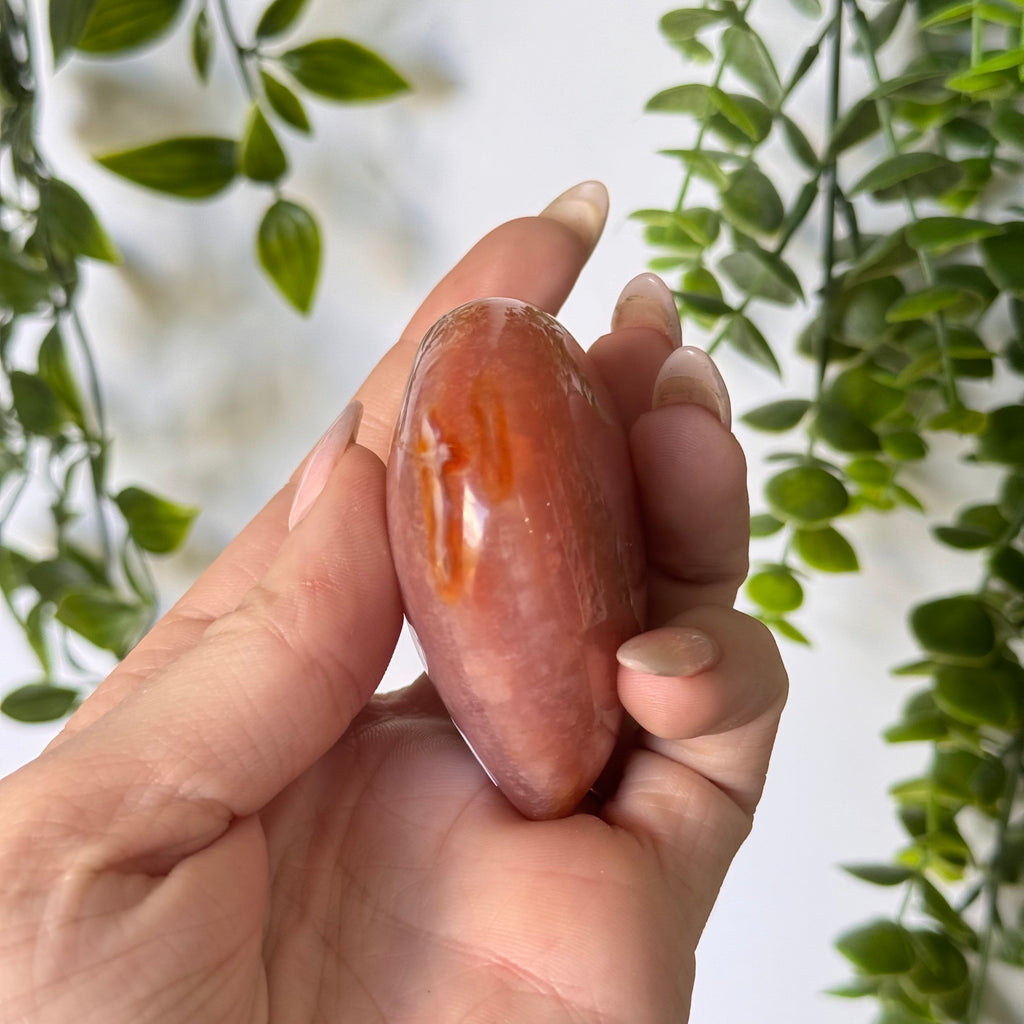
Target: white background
(216,390)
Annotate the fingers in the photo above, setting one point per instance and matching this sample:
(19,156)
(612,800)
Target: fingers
(536,259)
(268,689)
(707,690)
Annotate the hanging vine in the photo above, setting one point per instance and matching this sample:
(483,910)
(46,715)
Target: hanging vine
(910,329)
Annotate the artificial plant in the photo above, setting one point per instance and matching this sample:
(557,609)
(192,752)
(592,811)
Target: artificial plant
(916,332)
(82,580)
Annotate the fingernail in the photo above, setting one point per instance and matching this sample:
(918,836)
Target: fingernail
(689,376)
(669,651)
(322,459)
(582,208)
(647,302)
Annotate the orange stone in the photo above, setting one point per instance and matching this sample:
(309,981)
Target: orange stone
(515,534)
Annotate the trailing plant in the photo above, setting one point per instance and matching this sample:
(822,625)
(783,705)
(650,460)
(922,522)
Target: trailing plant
(79,577)
(915,328)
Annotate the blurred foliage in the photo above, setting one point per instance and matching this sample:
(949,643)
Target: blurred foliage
(91,586)
(903,325)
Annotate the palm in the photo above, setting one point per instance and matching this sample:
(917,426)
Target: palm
(419,894)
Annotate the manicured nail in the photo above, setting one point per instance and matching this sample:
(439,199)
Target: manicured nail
(690,376)
(647,302)
(669,651)
(322,459)
(582,208)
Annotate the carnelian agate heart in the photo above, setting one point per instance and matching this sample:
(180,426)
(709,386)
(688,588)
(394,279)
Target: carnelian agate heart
(515,534)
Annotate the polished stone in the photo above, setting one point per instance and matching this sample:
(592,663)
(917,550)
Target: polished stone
(514,528)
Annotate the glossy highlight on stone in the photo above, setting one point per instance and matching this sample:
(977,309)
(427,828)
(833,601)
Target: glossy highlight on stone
(514,529)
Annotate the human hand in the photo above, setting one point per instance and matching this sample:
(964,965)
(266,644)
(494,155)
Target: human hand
(231,829)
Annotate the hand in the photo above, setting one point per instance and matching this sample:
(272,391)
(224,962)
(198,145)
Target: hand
(230,829)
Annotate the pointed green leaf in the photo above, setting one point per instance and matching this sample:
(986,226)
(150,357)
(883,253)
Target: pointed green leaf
(775,589)
(943,234)
(777,416)
(104,618)
(194,167)
(826,549)
(744,51)
(284,102)
(922,173)
(1008,124)
(764,525)
(202,45)
(261,157)
(1003,258)
(858,124)
(940,966)
(155,524)
(881,947)
(1007,564)
(118,25)
(289,250)
(842,430)
(922,304)
(683,25)
(954,627)
(278,17)
(880,874)
(24,286)
(981,695)
(39,410)
(70,224)
(752,200)
(68,19)
(38,702)
(860,392)
(905,445)
(55,370)
(339,69)
(746,339)
(798,144)
(1002,437)
(806,494)
(756,271)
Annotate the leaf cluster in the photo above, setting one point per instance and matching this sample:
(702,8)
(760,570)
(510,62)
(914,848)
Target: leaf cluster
(278,84)
(84,577)
(903,324)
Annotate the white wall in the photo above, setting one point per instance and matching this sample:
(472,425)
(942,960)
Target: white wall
(216,390)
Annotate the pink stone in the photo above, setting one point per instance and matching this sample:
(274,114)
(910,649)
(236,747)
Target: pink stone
(515,534)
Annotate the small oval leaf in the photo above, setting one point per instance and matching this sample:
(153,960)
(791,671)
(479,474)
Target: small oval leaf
(288,244)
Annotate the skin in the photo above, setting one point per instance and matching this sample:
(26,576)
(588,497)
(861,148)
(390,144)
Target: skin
(231,830)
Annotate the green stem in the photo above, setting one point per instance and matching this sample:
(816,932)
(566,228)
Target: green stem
(977,36)
(241,52)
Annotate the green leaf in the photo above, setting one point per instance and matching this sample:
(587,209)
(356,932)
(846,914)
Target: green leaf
(339,69)
(857,125)
(36,406)
(289,251)
(943,234)
(788,630)
(752,200)
(806,494)
(202,45)
(808,8)
(194,167)
(1008,124)
(940,966)
(155,524)
(1002,437)
(55,371)
(746,339)
(798,144)
(880,874)
(68,19)
(825,548)
(860,392)
(883,24)
(706,164)
(919,173)
(1007,564)
(24,286)
(775,589)
(905,445)
(261,157)
(701,296)
(981,695)
(53,577)
(861,310)
(922,304)
(869,472)
(683,25)
(38,702)
(70,224)
(104,618)
(758,272)
(1002,258)
(778,416)
(278,17)
(881,947)
(284,102)
(956,628)
(765,525)
(842,430)
(745,52)
(118,25)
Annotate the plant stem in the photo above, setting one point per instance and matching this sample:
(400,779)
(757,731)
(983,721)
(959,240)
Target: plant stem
(241,52)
